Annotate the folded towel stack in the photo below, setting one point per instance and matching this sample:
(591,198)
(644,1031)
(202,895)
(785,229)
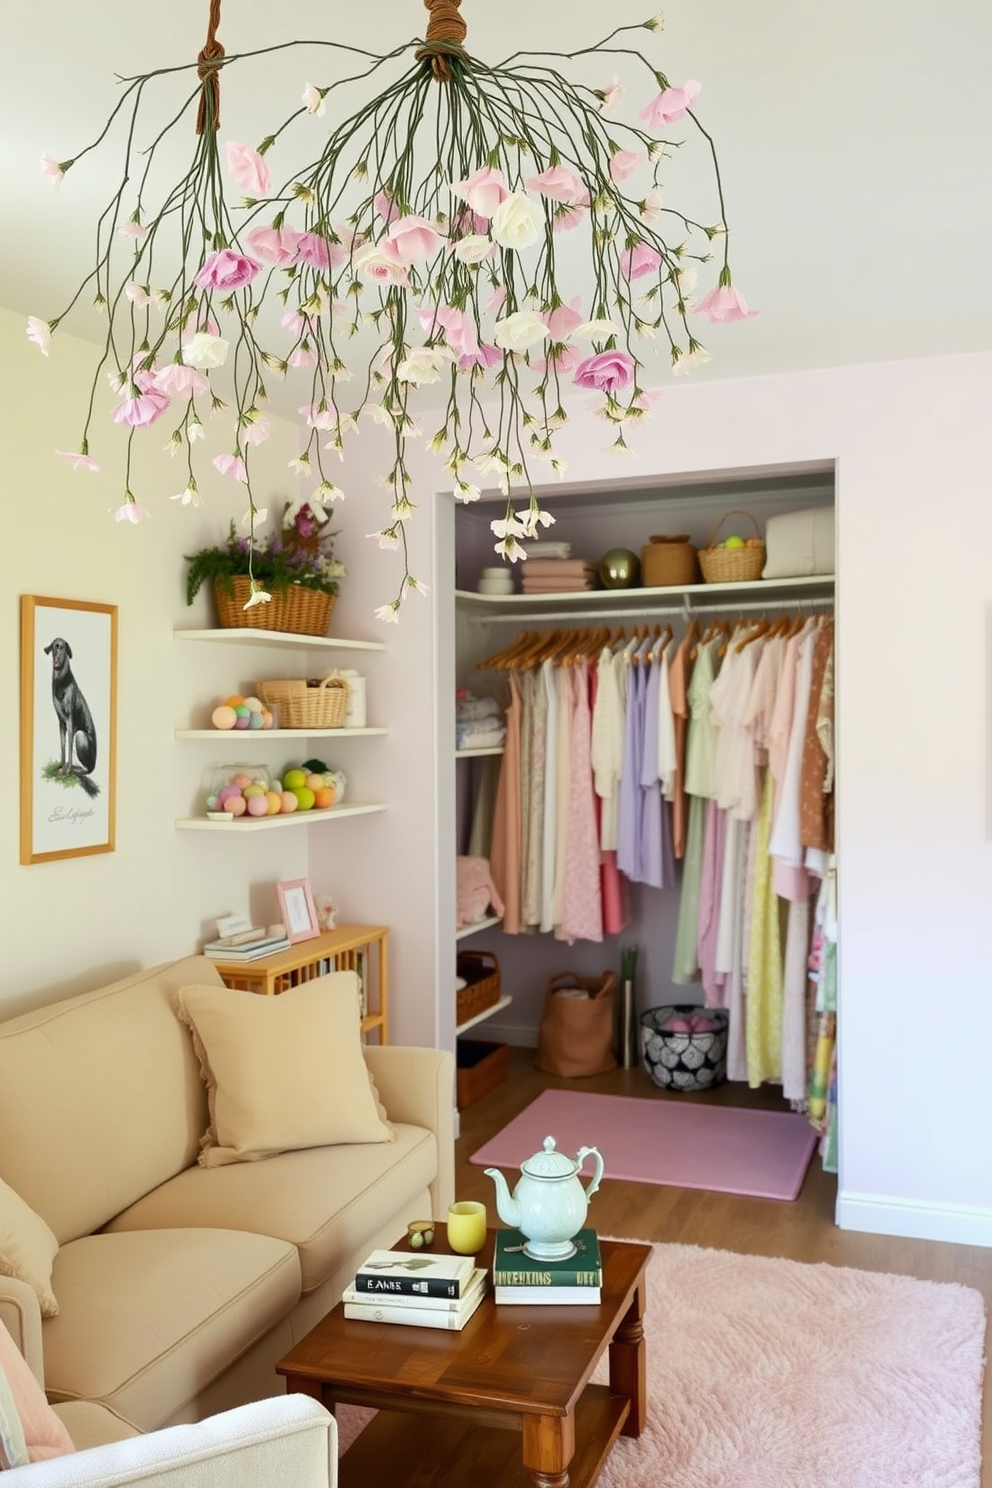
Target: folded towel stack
(558,575)
(543,549)
(478,722)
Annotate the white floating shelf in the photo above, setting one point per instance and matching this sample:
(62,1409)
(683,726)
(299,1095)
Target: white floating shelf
(258,735)
(488,1012)
(642,598)
(478,753)
(291,819)
(486,924)
(247,635)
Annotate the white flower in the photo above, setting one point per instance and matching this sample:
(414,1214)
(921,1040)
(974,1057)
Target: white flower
(313,100)
(379,414)
(424,364)
(610,96)
(517,222)
(189,497)
(258,596)
(510,548)
(686,279)
(387,538)
(650,208)
(685,363)
(194,430)
(403,507)
(301,465)
(595,330)
(656,23)
(473,248)
(510,526)
(257,430)
(204,350)
(532,519)
(518,331)
(52,170)
(131,512)
(327,491)
(259,515)
(40,332)
(465,492)
(137,294)
(390,613)
(412,583)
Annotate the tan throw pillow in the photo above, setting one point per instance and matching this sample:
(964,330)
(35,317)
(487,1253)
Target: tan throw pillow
(282,1072)
(27,1248)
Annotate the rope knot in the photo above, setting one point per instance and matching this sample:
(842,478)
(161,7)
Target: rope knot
(445,33)
(208,65)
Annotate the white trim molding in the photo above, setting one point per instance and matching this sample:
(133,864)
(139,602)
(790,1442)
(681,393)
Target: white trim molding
(914,1219)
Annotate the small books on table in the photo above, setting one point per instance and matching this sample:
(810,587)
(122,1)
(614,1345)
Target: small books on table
(519,1279)
(451,1313)
(404,1273)
(237,949)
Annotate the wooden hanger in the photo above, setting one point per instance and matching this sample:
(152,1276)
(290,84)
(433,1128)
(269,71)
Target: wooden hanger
(760,628)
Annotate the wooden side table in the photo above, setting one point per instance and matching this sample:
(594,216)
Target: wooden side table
(359,948)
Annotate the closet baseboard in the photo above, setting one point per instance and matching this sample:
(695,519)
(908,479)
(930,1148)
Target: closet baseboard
(914,1219)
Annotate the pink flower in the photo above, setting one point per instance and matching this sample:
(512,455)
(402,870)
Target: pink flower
(624,163)
(179,381)
(414,239)
(563,321)
(640,260)
(248,170)
(671,105)
(385,206)
(256,432)
(274,245)
(608,372)
(382,263)
(562,359)
(483,191)
(559,183)
(231,465)
(303,356)
(131,512)
(610,96)
(78,461)
(133,230)
(469,223)
(52,170)
(496,300)
(226,269)
(205,325)
(484,356)
(319,418)
(567,217)
(141,410)
(459,328)
(724,304)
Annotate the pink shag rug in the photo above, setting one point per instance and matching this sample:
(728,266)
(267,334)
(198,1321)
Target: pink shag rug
(774,1374)
(762,1154)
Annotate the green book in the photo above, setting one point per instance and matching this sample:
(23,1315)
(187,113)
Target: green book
(512,1268)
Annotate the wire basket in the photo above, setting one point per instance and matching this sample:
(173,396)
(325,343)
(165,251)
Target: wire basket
(732,565)
(480,970)
(302,706)
(296,609)
(669,560)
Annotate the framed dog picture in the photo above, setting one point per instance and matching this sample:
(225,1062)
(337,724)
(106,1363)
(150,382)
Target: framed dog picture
(68,728)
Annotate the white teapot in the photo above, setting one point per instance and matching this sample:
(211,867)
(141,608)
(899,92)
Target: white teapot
(549,1204)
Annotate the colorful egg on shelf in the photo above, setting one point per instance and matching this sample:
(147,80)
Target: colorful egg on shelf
(304,797)
(273,801)
(268,720)
(223,717)
(315,783)
(256,721)
(212,803)
(241,780)
(294,778)
(253,790)
(258,805)
(234,701)
(253,704)
(243,719)
(236,805)
(289,801)
(225,793)
(323,797)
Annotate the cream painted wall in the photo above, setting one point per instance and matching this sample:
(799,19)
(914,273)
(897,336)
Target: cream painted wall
(913,450)
(75,923)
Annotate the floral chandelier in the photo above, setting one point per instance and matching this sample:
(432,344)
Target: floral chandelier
(429,222)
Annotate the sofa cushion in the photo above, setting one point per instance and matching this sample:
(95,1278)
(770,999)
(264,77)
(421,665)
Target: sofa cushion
(326,1200)
(150,1317)
(78,1077)
(283,1072)
(27,1247)
(43,1433)
(92,1425)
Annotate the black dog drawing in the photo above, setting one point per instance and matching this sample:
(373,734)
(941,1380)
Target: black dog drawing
(77,733)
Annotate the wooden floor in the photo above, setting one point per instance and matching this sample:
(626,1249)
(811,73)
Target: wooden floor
(800,1231)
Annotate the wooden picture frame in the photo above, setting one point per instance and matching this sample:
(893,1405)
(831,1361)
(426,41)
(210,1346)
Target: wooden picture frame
(297,910)
(68,728)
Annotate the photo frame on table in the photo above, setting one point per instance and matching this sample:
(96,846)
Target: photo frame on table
(297,910)
(68,728)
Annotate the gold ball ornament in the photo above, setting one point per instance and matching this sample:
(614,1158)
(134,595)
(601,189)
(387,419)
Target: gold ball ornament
(619,569)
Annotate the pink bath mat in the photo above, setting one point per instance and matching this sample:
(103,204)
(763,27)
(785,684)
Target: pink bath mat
(763,1154)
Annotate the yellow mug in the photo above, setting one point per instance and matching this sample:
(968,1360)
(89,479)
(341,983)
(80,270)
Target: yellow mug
(467,1227)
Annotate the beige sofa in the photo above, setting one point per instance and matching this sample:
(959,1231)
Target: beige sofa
(179,1287)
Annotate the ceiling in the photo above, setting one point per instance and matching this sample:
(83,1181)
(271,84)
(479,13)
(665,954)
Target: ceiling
(855,142)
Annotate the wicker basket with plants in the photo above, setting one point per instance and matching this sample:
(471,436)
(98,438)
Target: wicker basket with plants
(287,582)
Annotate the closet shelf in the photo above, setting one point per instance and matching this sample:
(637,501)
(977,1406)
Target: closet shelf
(269,823)
(488,1012)
(478,753)
(633,601)
(259,736)
(486,924)
(249,636)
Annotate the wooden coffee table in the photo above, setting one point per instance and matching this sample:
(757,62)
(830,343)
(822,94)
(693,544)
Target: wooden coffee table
(509,1398)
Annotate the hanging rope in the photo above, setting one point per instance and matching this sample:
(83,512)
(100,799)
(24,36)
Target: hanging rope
(208,71)
(445,33)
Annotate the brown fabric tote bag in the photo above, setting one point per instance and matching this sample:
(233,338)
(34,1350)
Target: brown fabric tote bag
(576,1033)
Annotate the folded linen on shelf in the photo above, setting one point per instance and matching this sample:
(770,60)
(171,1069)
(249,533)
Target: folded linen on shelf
(470,706)
(481,734)
(547,549)
(558,567)
(556,586)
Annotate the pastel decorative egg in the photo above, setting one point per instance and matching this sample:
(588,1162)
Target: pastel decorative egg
(253,704)
(289,801)
(241,780)
(223,717)
(258,805)
(315,782)
(267,719)
(253,790)
(234,701)
(323,797)
(274,802)
(236,805)
(256,721)
(212,803)
(225,793)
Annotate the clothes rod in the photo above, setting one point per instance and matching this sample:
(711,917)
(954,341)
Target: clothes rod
(648,612)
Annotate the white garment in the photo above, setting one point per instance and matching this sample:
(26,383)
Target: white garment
(668,760)
(549,843)
(700,779)
(606,747)
(785,845)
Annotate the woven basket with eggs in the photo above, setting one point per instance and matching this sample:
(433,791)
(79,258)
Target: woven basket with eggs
(740,563)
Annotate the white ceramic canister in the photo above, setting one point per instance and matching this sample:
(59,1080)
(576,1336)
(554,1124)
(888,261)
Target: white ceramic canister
(354,716)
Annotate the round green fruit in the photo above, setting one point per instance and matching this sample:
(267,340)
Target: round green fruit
(734,542)
(293,779)
(304,797)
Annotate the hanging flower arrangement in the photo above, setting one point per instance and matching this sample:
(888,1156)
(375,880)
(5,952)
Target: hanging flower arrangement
(426,228)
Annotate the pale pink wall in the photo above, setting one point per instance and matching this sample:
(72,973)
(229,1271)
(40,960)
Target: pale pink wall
(913,452)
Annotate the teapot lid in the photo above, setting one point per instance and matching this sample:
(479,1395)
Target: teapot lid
(550,1163)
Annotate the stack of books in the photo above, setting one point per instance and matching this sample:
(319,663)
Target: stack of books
(420,1291)
(249,945)
(572,1283)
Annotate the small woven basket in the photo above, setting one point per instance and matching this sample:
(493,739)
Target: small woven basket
(732,565)
(304,707)
(669,560)
(298,610)
(481,971)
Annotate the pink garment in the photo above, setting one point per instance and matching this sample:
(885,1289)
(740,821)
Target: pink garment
(610,890)
(44,1434)
(582,912)
(504,858)
(475,891)
(714,837)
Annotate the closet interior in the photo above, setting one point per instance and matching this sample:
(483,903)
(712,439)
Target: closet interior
(684,848)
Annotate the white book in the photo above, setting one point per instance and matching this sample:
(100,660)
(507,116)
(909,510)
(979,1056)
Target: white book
(393,1311)
(420,1303)
(544,1296)
(416,1274)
